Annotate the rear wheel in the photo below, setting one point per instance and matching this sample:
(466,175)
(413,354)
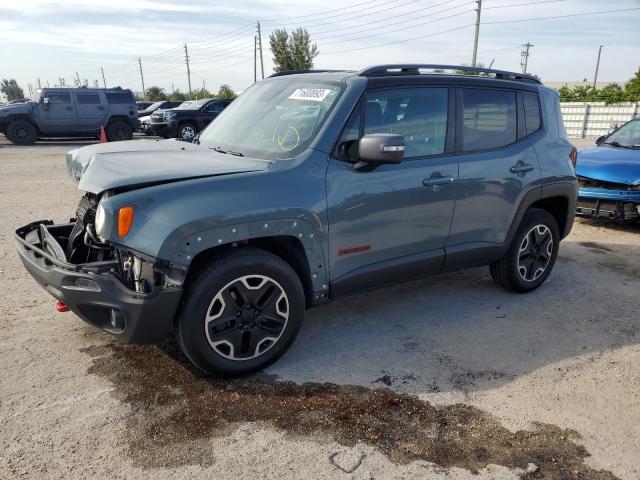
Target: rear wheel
(187,131)
(240,313)
(532,254)
(22,132)
(119,130)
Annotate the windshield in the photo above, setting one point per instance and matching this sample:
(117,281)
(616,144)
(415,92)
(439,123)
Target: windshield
(154,105)
(192,105)
(273,119)
(627,135)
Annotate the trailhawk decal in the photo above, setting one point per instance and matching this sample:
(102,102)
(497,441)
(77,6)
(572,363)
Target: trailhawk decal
(353,249)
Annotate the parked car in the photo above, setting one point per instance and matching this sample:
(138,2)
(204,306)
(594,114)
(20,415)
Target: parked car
(142,105)
(609,175)
(391,173)
(185,121)
(71,112)
(161,105)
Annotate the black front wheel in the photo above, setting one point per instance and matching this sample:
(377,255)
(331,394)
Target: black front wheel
(22,132)
(532,254)
(118,131)
(240,313)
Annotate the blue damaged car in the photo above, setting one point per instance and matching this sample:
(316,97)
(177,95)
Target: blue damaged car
(609,175)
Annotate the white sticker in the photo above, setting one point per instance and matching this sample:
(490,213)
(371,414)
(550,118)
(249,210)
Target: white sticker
(314,94)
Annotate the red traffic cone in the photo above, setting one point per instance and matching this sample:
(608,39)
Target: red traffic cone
(103,135)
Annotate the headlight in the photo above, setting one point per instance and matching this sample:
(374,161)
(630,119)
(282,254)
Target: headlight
(101,216)
(169,116)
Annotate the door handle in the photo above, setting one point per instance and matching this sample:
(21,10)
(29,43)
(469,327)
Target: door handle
(100,107)
(437,179)
(521,168)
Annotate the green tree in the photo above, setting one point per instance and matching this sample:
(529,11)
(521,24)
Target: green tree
(11,89)
(200,93)
(178,96)
(632,89)
(292,52)
(155,94)
(226,92)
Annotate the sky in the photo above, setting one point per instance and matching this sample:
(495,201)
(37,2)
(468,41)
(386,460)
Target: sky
(50,40)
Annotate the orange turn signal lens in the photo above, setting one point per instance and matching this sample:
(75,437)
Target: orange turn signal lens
(125,220)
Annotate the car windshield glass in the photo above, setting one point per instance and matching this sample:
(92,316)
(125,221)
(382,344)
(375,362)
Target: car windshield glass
(154,105)
(273,119)
(192,105)
(626,136)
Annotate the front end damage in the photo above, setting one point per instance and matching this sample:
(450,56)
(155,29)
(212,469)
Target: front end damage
(132,296)
(597,198)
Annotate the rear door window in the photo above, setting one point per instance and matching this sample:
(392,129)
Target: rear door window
(88,98)
(531,112)
(489,118)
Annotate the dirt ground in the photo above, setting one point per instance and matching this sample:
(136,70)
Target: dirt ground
(446,377)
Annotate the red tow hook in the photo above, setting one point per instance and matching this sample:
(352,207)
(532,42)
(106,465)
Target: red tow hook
(61,306)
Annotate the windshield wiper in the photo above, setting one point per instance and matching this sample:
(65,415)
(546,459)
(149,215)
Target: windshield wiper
(230,152)
(616,144)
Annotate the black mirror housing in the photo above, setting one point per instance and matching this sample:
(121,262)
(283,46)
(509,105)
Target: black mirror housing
(599,140)
(380,148)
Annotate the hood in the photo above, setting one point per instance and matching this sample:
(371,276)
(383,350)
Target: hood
(24,107)
(616,165)
(131,163)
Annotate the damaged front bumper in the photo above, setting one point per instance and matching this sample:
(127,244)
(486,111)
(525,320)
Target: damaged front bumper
(95,291)
(608,203)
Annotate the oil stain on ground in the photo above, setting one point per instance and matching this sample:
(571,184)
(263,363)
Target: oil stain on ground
(173,407)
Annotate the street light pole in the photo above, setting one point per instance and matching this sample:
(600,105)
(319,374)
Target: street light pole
(595,76)
(477,34)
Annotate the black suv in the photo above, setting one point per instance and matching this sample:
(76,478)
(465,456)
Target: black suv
(185,121)
(160,105)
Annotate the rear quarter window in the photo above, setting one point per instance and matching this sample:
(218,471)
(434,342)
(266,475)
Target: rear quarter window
(119,98)
(489,118)
(531,112)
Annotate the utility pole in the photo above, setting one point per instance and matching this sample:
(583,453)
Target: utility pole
(524,56)
(144,92)
(260,46)
(475,38)
(30,90)
(595,77)
(186,59)
(255,58)
(104,82)
(78,83)
(39,84)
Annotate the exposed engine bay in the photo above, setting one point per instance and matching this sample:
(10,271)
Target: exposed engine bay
(77,245)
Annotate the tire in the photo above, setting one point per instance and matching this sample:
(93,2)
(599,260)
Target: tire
(22,132)
(530,257)
(240,313)
(118,131)
(187,131)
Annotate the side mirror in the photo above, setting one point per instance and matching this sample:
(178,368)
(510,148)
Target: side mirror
(379,148)
(599,140)
(45,103)
(196,138)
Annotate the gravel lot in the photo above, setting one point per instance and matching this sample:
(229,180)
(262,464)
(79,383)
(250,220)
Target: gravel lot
(444,377)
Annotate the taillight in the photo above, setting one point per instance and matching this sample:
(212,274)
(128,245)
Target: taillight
(574,156)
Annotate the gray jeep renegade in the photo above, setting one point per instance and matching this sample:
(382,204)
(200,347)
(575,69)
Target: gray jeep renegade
(71,112)
(310,186)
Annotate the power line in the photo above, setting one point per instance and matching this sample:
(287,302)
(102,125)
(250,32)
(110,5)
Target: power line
(387,24)
(407,27)
(269,20)
(525,4)
(402,41)
(561,16)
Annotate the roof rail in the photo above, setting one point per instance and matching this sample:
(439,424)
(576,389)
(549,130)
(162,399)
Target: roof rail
(295,72)
(414,69)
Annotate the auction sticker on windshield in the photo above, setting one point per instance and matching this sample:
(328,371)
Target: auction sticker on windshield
(315,94)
